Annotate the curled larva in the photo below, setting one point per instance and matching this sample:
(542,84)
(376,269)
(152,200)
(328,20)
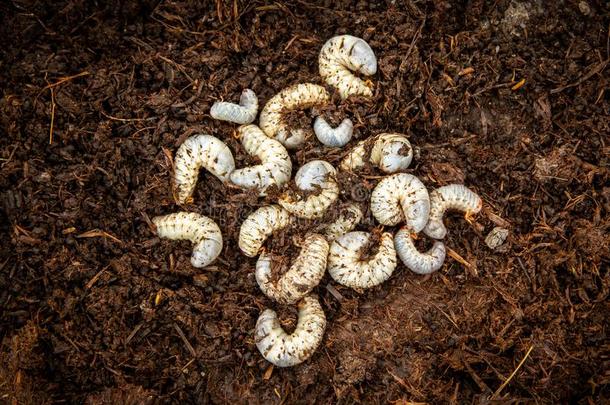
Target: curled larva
(347,268)
(401,197)
(342,54)
(345,222)
(244,113)
(299,96)
(334,137)
(315,176)
(275,167)
(200,230)
(303,275)
(420,263)
(196,152)
(451,197)
(390,152)
(286,350)
(259,226)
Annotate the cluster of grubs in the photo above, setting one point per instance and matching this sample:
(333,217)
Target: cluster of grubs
(398,199)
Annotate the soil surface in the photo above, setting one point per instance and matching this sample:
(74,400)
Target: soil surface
(510,98)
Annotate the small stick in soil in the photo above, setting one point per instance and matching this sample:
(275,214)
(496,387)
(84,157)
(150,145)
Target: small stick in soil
(96,232)
(188,345)
(510,377)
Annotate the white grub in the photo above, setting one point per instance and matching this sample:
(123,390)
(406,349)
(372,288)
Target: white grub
(275,167)
(355,159)
(347,220)
(451,197)
(299,96)
(333,137)
(200,230)
(347,268)
(303,275)
(244,113)
(315,176)
(340,56)
(391,153)
(417,262)
(259,226)
(284,350)
(496,237)
(401,197)
(196,152)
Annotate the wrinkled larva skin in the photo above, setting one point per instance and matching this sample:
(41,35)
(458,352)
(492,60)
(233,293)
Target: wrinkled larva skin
(417,262)
(244,113)
(342,54)
(391,153)
(346,267)
(200,230)
(333,137)
(451,197)
(285,350)
(196,152)
(401,197)
(314,175)
(299,96)
(275,167)
(259,226)
(303,276)
(349,218)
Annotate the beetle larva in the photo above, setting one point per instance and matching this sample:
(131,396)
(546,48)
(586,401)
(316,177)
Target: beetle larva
(304,274)
(347,268)
(347,221)
(316,175)
(451,197)
(259,226)
(334,137)
(285,350)
(200,230)
(299,96)
(341,54)
(196,152)
(401,197)
(417,262)
(275,167)
(244,113)
(390,152)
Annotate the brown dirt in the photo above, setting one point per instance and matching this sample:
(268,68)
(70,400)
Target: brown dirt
(95,308)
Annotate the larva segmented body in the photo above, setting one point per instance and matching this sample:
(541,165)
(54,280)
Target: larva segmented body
(299,96)
(342,54)
(401,197)
(304,274)
(315,175)
(347,268)
(349,218)
(244,113)
(451,197)
(334,137)
(391,153)
(285,350)
(417,262)
(200,230)
(259,226)
(275,167)
(196,152)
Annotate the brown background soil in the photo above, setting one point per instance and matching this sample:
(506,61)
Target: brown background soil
(95,308)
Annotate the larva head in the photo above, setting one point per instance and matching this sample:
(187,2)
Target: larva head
(363,58)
